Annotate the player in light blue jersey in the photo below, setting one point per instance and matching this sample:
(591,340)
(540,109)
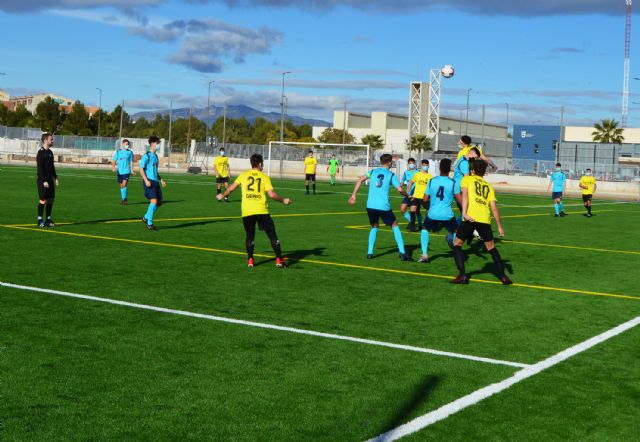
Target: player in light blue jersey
(406,182)
(440,193)
(559,182)
(123,165)
(378,205)
(461,170)
(151,181)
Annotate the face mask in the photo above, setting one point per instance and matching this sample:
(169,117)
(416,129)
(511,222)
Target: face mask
(425,168)
(587,173)
(412,166)
(558,169)
(222,152)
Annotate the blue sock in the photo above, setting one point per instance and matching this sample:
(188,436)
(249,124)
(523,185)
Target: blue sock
(556,207)
(123,193)
(424,241)
(407,216)
(419,218)
(150,211)
(372,239)
(398,234)
(561,206)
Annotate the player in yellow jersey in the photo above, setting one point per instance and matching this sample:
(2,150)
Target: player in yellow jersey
(310,164)
(223,171)
(465,146)
(478,202)
(419,184)
(588,186)
(255,208)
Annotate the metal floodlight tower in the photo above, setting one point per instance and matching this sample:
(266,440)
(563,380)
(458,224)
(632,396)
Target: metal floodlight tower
(627,51)
(424,106)
(433,114)
(418,106)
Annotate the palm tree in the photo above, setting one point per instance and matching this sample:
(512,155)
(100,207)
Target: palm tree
(421,143)
(607,131)
(374,141)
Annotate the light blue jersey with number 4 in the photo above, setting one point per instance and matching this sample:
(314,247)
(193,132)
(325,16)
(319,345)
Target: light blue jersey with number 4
(381,180)
(441,189)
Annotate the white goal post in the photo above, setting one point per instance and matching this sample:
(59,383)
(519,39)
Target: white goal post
(341,150)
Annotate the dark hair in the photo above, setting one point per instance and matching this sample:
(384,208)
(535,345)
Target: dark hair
(445,166)
(476,151)
(479,166)
(466,139)
(45,136)
(221,148)
(588,170)
(310,151)
(386,158)
(126,141)
(410,160)
(154,139)
(558,165)
(256,160)
(424,162)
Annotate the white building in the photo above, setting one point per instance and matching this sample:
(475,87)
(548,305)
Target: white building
(32,101)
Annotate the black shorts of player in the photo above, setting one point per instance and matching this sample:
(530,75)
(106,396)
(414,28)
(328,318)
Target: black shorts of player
(556,195)
(122,177)
(221,180)
(426,205)
(46,193)
(264,222)
(375,215)
(586,198)
(153,192)
(310,176)
(434,225)
(465,231)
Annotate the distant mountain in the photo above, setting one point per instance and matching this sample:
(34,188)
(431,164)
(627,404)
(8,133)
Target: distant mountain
(240,111)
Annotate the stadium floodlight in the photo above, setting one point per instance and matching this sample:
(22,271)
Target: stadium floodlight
(99,110)
(282,108)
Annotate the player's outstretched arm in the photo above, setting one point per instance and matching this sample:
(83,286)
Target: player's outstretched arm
(490,162)
(276,197)
(401,191)
(361,180)
(133,172)
(228,192)
(496,215)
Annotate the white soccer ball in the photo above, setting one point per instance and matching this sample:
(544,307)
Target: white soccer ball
(447,71)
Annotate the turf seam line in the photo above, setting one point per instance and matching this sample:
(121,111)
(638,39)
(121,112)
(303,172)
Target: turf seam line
(460,404)
(266,326)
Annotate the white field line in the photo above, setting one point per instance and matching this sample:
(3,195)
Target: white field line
(460,404)
(266,326)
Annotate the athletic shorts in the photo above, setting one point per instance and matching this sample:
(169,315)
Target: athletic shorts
(46,193)
(556,195)
(375,215)
(586,198)
(435,225)
(310,176)
(465,231)
(122,177)
(411,202)
(153,192)
(265,223)
(221,180)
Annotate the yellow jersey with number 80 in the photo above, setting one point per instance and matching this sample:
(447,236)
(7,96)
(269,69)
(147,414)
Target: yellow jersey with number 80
(254,185)
(480,194)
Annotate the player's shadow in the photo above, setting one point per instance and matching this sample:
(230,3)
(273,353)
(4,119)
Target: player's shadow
(139,203)
(295,256)
(490,268)
(420,395)
(104,221)
(194,224)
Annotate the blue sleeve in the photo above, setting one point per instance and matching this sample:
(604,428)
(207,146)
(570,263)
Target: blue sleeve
(143,161)
(404,177)
(464,168)
(130,156)
(115,156)
(394,181)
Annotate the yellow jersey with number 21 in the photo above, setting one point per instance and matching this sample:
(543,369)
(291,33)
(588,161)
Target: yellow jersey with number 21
(480,194)
(255,186)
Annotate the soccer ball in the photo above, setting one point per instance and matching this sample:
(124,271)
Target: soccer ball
(447,71)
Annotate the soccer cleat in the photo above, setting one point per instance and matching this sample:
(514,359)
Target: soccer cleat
(405,257)
(370,256)
(589,215)
(41,224)
(424,258)
(151,227)
(563,214)
(49,223)
(461,279)
(281,262)
(226,200)
(506,280)
(250,263)
(144,220)
(555,215)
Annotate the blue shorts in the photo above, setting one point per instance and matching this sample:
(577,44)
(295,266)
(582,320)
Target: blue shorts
(375,215)
(556,195)
(153,192)
(434,225)
(123,177)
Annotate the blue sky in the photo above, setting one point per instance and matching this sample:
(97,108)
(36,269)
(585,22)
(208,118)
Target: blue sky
(537,56)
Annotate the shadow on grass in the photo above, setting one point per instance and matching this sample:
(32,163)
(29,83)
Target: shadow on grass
(490,268)
(138,203)
(420,395)
(295,256)
(195,224)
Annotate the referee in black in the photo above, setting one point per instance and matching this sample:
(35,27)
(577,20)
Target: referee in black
(47,180)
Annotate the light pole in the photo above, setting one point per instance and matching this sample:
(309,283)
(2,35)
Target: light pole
(466,124)
(344,124)
(282,108)
(506,135)
(224,124)
(170,122)
(99,111)
(206,129)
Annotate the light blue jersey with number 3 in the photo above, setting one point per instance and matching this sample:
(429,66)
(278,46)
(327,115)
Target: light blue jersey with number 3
(381,180)
(441,189)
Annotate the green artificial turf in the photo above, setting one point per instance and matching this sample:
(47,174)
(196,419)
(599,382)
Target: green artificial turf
(80,370)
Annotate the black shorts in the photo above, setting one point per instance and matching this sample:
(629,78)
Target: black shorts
(221,180)
(465,231)
(434,225)
(46,193)
(586,198)
(153,192)
(375,215)
(556,195)
(265,223)
(411,202)
(310,176)
(122,177)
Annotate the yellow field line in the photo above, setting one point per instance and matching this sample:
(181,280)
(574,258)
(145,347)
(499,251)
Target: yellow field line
(325,263)
(548,214)
(526,243)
